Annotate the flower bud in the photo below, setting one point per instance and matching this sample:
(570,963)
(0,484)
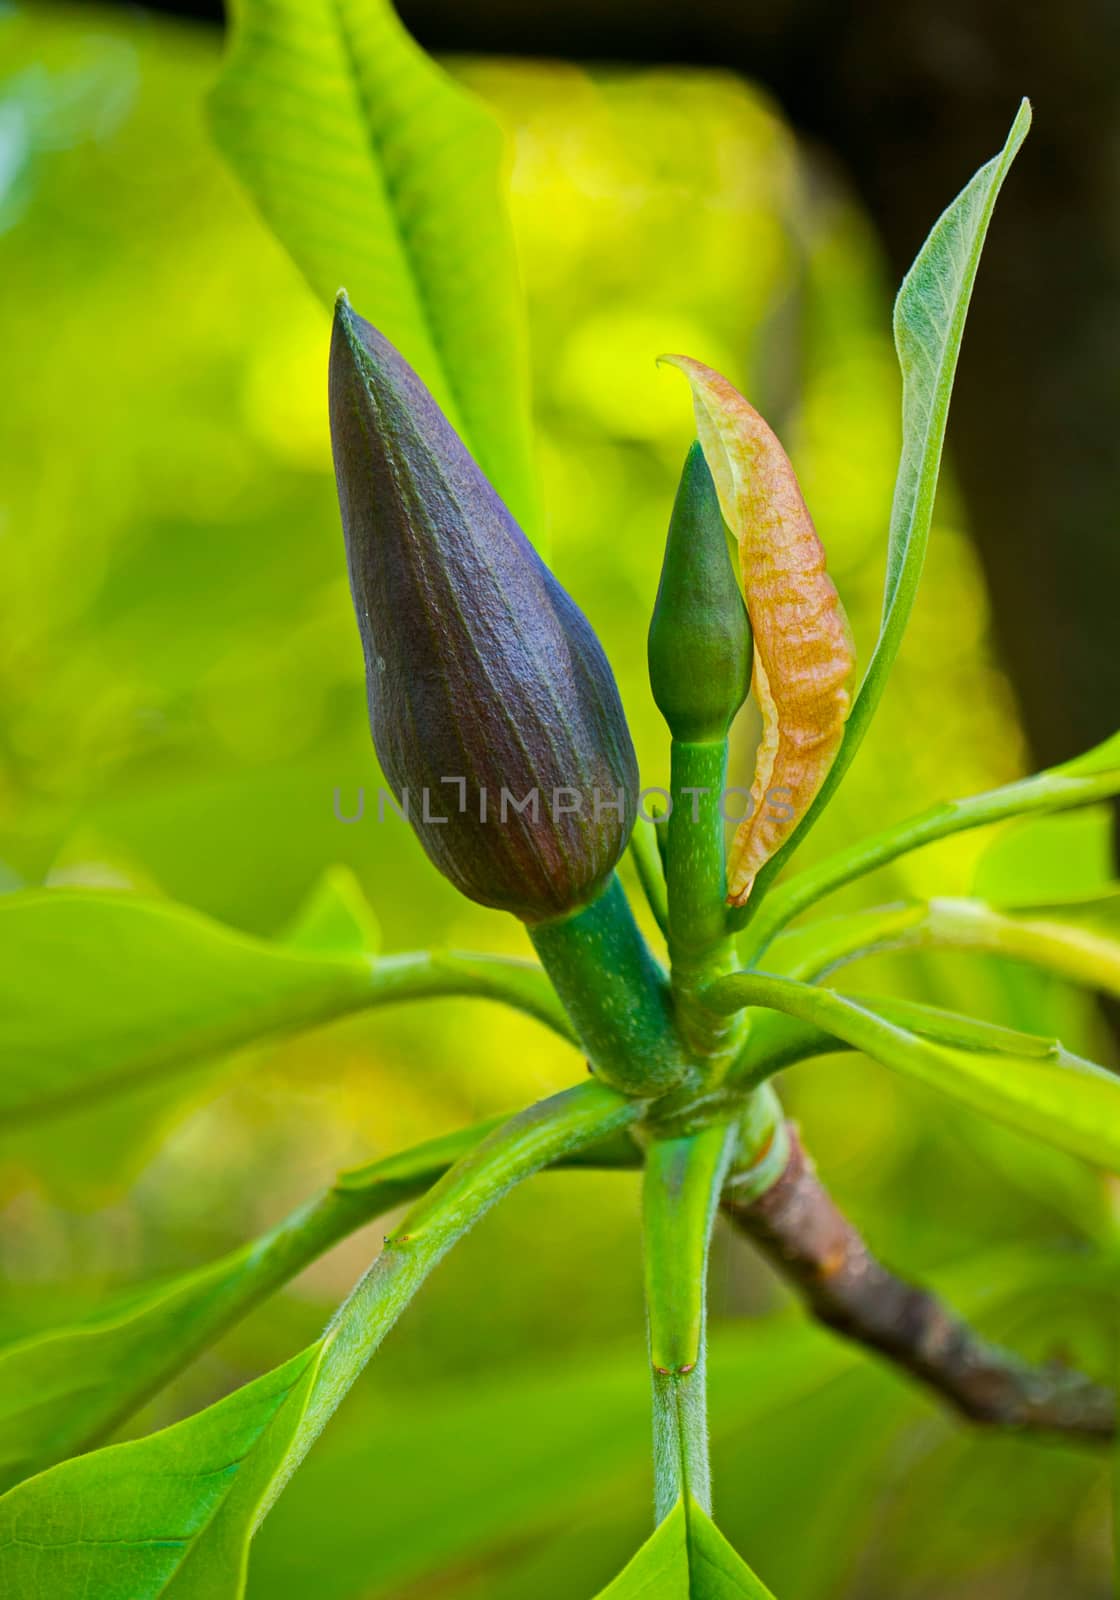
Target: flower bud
(494,712)
(700,635)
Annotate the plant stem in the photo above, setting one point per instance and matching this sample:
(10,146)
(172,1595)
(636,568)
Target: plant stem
(428,974)
(615,993)
(1054,790)
(645,852)
(683,1180)
(165,1329)
(700,947)
(798,1228)
(534,1138)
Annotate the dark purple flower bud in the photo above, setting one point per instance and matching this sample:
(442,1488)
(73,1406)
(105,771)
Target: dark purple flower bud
(491,702)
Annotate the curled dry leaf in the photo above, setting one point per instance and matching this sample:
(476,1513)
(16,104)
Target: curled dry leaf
(803,653)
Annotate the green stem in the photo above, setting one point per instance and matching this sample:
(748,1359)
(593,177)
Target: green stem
(645,852)
(683,1180)
(615,993)
(167,1328)
(696,869)
(700,947)
(1054,790)
(428,974)
(535,1138)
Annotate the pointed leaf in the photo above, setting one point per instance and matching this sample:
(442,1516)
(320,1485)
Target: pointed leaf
(336,918)
(63,1391)
(803,653)
(686,1558)
(378,172)
(929,318)
(171,1515)
(166,1516)
(929,323)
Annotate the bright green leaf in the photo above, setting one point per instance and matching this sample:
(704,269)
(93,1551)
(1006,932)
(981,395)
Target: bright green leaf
(63,1391)
(148,986)
(1047,858)
(1077,939)
(381,174)
(813,949)
(686,1558)
(151,987)
(929,320)
(166,1516)
(172,1514)
(336,918)
(1097,777)
(1058,1099)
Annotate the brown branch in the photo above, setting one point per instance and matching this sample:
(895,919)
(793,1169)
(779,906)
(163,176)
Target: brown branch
(797,1226)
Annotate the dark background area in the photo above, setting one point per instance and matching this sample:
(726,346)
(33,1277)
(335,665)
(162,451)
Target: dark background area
(906,98)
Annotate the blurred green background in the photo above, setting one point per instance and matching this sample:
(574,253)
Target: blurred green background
(181,694)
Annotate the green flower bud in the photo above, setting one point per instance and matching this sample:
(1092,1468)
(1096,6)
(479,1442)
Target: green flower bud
(700,635)
(494,712)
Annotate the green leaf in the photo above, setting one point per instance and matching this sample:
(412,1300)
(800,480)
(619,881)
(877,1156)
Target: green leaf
(1077,939)
(336,918)
(929,318)
(385,1507)
(147,987)
(686,1558)
(1047,858)
(378,172)
(151,986)
(167,1516)
(811,951)
(1102,758)
(64,1391)
(1097,777)
(172,1514)
(1058,1098)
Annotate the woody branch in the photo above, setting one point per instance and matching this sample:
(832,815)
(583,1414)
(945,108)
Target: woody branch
(798,1228)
